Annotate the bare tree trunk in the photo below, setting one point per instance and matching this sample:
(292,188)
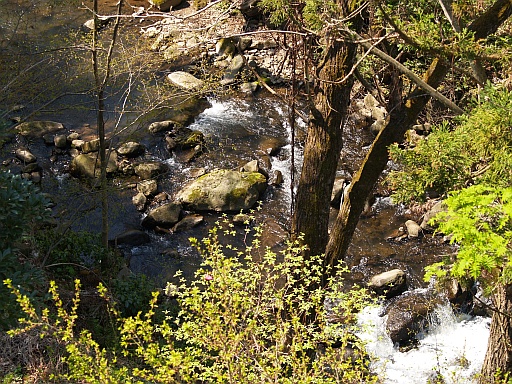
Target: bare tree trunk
(498,358)
(101,83)
(323,145)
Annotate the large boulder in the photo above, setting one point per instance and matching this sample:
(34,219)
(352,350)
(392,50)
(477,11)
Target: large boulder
(37,129)
(408,314)
(88,165)
(164,216)
(223,190)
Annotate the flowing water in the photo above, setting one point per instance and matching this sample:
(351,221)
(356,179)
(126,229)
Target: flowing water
(236,128)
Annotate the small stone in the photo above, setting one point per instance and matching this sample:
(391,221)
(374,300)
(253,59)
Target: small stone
(147,187)
(139,200)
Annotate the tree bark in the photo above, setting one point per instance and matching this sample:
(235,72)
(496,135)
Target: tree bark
(323,145)
(401,119)
(498,358)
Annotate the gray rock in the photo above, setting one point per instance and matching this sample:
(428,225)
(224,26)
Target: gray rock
(91,146)
(25,155)
(413,229)
(185,81)
(60,141)
(223,190)
(164,216)
(150,170)
(131,149)
(37,129)
(389,284)
(139,200)
(148,187)
(88,165)
(233,69)
(160,126)
(188,222)
(251,166)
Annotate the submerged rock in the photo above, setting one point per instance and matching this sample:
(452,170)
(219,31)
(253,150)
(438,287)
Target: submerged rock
(223,190)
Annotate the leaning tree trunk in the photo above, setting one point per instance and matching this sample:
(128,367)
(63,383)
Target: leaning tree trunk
(323,144)
(498,358)
(401,119)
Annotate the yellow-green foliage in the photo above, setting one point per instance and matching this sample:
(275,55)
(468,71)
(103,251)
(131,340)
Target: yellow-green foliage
(241,320)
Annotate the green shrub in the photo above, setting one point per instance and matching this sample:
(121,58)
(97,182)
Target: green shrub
(22,209)
(478,150)
(239,321)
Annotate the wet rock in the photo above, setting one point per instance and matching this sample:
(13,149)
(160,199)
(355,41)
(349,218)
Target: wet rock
(89,24)
(132,237)
(271,145)
(338,190)
(88,165)
(164,216)
(389,284)
(408,315)
(185,81)
(37,129)
(188,222)
(139,200)
(223,190)
(131,149)
(161,126)
(274,236)
(197,172)
(184,138)
(91,146)
(161,197)
(148,187)
(60,141)
(251,166)
(459,295)
(150,170)
(276,178)
(73,136)
(77,144)
(32,167)
(413,229)
(25,155)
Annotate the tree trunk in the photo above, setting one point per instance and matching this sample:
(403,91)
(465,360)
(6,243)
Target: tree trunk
(323,145)
(498,358)
(401,119)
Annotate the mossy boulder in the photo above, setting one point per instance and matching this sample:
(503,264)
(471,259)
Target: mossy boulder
(223,190)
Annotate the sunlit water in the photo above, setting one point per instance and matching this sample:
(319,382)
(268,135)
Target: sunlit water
(454,348)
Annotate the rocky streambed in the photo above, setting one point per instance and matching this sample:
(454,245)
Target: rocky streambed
(223,153)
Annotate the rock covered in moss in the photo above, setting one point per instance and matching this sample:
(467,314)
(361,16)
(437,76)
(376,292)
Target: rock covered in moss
(223,190)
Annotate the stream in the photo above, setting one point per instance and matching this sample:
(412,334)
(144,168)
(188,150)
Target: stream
(235,129)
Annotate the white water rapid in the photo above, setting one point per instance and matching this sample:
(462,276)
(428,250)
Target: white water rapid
(454,348)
